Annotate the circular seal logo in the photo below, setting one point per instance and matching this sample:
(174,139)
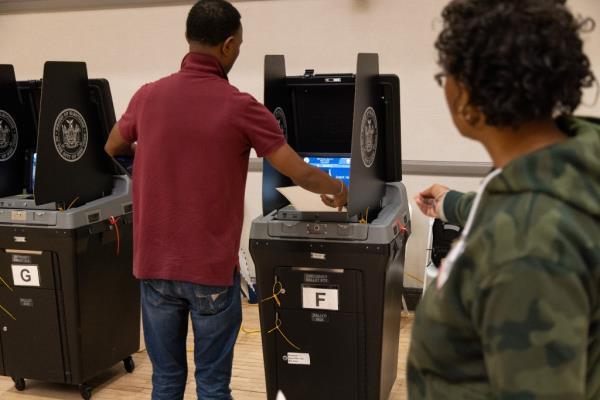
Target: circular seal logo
(368,137)
(70,135)
(280,117)
(9,136)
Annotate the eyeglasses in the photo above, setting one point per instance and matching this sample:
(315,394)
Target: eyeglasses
(440,78)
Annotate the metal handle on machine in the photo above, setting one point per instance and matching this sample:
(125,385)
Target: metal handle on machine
(330,270)
(395,248)
(31,252)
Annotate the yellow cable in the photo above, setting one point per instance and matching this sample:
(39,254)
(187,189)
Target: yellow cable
(277,290)
(275,294)
(6,284)
(70,205)
(278,328)
(73,202)
(6,311)
(364,220)
(249,331)
(413,277)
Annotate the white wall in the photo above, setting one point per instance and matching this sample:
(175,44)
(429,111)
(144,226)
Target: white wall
(136,45)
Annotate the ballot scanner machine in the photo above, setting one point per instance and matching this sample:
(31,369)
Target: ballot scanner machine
(330,283)
(69,305)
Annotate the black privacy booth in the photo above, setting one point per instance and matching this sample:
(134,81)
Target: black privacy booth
(331,282)
(69,305)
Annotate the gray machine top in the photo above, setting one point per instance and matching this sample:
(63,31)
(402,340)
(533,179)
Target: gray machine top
(19,211)
(393,217)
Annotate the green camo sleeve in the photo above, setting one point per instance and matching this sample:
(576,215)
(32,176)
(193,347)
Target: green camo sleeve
(457,206)
(534,322)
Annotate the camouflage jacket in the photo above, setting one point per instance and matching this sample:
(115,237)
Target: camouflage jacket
(518,317)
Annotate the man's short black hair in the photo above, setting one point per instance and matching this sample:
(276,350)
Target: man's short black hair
(521,60)
(211,22)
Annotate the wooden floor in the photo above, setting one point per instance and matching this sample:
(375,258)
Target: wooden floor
(248,382)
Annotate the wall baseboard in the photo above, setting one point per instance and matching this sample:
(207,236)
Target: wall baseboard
(417,167)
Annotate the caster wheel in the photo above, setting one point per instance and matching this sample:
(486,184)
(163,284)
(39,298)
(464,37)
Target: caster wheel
(129,364)
(86,391)
(19,384)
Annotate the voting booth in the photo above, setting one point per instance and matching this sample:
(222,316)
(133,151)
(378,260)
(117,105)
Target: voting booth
(69,303)
(330,283)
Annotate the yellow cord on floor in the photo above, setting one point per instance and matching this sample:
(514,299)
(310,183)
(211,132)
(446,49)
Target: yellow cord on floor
(413,277)
(249,331)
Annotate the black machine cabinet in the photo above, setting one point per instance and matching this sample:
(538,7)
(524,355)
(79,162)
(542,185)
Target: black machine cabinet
(331,284)
(69,304)
(340,304)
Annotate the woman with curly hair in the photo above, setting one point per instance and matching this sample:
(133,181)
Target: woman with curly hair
(514,313)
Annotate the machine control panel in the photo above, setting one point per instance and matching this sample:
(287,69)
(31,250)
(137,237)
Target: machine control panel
(28,217)
(323,230)
(24,203)
(316,229)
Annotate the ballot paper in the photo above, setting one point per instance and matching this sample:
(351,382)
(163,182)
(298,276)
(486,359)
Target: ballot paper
(303,200)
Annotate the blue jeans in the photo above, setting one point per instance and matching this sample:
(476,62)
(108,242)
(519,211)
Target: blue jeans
(216,315)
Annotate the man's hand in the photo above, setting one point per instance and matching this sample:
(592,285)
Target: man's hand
(431,200)
(289,163)
(338,200)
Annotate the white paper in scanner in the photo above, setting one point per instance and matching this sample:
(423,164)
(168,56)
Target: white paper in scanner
(303,200)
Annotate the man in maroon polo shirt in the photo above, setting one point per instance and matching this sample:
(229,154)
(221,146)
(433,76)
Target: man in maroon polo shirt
(193,133)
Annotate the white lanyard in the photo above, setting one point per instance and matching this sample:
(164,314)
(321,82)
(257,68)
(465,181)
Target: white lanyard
(459,247)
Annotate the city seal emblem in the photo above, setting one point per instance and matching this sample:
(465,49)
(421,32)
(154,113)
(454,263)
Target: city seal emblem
(9,136)
(368,137)
(280,117)
(70,135)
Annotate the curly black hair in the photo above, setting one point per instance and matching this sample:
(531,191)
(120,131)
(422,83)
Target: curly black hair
(520,60)
(211,22)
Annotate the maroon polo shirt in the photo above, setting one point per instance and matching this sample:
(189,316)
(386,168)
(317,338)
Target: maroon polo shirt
(194,132)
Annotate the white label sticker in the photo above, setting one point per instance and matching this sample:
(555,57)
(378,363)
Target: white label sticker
(26,275)
(18,215)
(298,358)
(320,299)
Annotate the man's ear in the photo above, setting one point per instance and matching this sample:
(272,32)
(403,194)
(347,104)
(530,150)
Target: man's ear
(227,46)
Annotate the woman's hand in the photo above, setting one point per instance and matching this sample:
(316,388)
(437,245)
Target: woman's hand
(430,201)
